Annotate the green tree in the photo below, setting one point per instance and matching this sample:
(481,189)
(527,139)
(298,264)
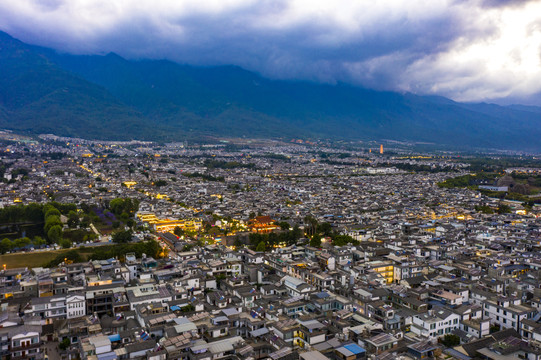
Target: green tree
(64,344)
(55,234)
(450,340)
(325,229)
(22,242)
(65,243)
(122,237)
(341,240)
(160,183)
(38,241)
(310,225)
(315,241)
(6,245)
(503,209)
(238,243)
(261,246)
(53,220)
(284,225)
(127,205)
(178,231)
(73,219)
(52,211)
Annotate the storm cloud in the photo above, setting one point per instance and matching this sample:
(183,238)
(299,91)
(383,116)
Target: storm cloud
(478,50)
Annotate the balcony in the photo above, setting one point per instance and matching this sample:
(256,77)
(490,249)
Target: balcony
(26,347)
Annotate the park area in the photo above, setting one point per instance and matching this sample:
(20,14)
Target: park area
(34,258)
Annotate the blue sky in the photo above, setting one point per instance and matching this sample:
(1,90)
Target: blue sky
(478,50)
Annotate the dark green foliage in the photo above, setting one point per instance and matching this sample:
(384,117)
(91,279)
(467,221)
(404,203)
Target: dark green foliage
(450,340)
(6,245)
(204,176)
(122,236)
(271,239)
(20,213)
(178,231)
(64,344)
(503,209)
(54,234)
(284,225)
(160,183)
(65,243)
(261,246)
(72,255)
(124,205)
(150,248)
(187,308)
(484,209)
(315,241)
(341,240)
(494,328)
(73,219)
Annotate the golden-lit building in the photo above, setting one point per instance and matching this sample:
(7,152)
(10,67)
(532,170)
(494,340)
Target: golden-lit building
(147,217)
(165,225)
(262,224)
(385,269)
(170,225)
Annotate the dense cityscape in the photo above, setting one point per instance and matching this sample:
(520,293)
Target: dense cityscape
(266,249)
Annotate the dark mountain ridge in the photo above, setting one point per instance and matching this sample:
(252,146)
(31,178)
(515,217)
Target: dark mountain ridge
(110,97)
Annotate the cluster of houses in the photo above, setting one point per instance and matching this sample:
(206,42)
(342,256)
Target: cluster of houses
(405,297)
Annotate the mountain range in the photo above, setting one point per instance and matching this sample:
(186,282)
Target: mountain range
(109,97)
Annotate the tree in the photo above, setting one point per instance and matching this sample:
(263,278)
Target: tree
(450,340)
(52,211)
(55,234)
(22,242)
(284,225)
(238,243)
(178,231)
(325,229)
(6,245)
(64,344)
(50,221)
(65,243)
(310,225)
(261,246)
(316,241)
(39,242)
(503,209)
(121,205)
(341,240)
(73,219)
(121,237)
(85,222)
(160,183)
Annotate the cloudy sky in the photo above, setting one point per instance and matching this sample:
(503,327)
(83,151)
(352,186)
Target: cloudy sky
(468,50)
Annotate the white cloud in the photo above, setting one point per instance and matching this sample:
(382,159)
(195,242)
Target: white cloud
(469,50)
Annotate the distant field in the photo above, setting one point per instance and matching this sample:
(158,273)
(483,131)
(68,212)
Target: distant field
(32,259)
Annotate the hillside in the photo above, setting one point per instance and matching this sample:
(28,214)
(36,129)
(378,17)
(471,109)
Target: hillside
(117,98)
